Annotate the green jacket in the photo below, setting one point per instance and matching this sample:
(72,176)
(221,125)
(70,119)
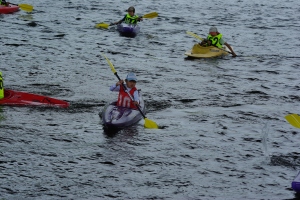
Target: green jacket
(131,20)
(215,40)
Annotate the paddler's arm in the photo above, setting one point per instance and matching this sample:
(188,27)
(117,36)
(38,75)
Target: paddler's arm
(229,47)
(140,19)
(116,87)
(119,22)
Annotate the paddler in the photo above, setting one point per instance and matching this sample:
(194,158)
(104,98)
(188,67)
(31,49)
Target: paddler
(124,100)
(130,17)
(215,38)
(4,3)
(1,87)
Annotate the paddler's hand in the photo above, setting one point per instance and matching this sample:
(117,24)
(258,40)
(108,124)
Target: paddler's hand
(233,55)
(140,19)
(120,82)
(135,103)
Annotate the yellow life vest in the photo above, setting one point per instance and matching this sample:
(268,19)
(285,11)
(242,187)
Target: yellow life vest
(1,87)
(131,19)
(215,40)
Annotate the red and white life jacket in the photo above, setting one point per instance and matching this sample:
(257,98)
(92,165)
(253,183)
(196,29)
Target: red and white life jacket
(124,100)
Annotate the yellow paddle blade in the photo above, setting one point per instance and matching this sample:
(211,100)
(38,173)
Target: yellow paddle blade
(151,15)
(293,119)
(150,124)
(110,64)
(26,7)
(102,25)
(194,35)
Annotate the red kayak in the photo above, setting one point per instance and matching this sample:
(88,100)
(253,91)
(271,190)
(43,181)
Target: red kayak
(8,9)
(17,98)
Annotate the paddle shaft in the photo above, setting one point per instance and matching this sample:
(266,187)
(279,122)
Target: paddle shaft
(116,74)
(14,4)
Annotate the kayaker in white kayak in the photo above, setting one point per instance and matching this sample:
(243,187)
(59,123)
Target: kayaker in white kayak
(123,99)
(215,38)
(4,3)
(130,17)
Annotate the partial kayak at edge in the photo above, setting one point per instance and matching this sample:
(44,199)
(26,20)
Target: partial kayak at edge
(19,98)
(8,9)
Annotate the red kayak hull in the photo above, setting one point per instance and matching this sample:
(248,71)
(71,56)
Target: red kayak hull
(18,98)
(8,9)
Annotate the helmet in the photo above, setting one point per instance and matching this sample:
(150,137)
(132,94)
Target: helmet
(213,29)
(131,8)
(131,77)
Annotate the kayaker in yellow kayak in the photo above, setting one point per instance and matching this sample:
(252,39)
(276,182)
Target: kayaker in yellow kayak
(130,17)
(124,100)
(215,38)
(4,3)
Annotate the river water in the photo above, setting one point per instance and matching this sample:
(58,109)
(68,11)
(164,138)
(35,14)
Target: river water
(223,134)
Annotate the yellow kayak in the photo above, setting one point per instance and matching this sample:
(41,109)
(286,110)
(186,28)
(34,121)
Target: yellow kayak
(206,52)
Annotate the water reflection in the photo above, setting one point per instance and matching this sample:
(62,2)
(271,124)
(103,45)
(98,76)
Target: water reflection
(27,17)
(2,117)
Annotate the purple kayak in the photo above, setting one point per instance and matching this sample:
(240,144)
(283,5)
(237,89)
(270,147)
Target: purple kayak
(128,30)
(114,116)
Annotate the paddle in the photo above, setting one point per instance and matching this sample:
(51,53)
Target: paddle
(198,37)
(293,119)
(149,16)
(148,123)
(25,7)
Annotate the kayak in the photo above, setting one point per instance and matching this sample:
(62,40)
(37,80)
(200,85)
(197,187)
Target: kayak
(128,30)
(8,9)
(296,183)
(118,117)
(18,98)
(199,51)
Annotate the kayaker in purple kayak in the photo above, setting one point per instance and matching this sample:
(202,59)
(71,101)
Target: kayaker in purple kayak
(130,17)
(123,99)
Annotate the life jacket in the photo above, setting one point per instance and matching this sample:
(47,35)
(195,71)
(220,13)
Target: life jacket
(215,40)
(131,20)
(124,100)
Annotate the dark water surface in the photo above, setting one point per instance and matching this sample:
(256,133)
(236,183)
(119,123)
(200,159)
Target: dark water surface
(224,135)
